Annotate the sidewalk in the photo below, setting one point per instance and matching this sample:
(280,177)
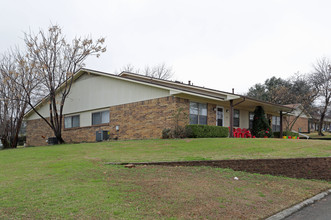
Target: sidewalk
(321,210)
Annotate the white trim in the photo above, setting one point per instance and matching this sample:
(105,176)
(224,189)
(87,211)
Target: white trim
(203,103)
(71,116)
(94,112)
(222,114)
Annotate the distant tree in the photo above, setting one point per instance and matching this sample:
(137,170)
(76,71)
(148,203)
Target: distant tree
(258,91)
(268,91)
(55,60)
(296,90)
(321,80)
(160,71)
(129,68)
(300,91)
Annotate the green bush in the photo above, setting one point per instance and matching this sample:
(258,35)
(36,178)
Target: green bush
(286,133)
(261,127)
(206,131)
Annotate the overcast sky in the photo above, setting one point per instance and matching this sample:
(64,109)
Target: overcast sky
(217,44)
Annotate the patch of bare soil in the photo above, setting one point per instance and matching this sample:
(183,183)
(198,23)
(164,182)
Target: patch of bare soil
(210,193)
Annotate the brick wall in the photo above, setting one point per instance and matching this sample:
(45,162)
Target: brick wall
(147,119)
(37,132)
(211,114)
(300,123)
(309,168)
(139,120)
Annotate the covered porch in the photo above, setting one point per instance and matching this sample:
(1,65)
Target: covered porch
(231,111)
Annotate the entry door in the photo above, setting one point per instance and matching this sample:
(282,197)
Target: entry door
(219,116)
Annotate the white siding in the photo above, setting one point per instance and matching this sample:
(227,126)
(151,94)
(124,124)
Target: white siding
(297,112)
(91,92)
(243,120)
(226,117)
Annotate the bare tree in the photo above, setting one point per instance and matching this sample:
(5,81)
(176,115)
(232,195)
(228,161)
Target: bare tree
(321,79)
(160,71)
(130,68)
(13,98)
(299,91)
(55,60)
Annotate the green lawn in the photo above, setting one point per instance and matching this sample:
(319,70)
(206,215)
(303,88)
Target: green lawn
(188,149)
(315,135)
(73,182)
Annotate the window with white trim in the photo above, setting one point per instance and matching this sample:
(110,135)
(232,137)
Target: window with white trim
(275,123)
(100,118)
(198,113)
(251,119)
(236,118)
(71,121)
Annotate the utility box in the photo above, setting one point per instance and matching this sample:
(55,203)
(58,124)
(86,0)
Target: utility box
(52,141)
(101,135)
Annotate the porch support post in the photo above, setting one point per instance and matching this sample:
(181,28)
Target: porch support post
(231,118)
(281,124)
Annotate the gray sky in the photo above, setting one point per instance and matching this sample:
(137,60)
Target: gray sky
(216,44)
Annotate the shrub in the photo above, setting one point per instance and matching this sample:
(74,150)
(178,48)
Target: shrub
(261,127)
(178,132)
(166,133)
(206,131)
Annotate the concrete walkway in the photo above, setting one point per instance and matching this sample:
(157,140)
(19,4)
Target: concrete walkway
(321,210)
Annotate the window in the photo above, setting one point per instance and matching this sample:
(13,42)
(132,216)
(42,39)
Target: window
(100,118)
(236,118)
(275,123)
(251,118)
(71,121)
(219,117)
(198,113)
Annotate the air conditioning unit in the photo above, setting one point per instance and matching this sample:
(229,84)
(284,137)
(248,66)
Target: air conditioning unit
(101,135)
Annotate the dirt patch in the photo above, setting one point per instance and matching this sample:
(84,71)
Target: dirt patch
(308,168)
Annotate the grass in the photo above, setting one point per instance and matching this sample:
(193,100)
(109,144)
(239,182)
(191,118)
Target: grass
(72,182)
(315,135)
(191,149)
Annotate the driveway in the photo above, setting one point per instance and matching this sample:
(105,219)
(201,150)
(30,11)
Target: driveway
(320,210)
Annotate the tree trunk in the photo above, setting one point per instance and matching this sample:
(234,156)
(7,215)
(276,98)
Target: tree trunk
(5,143)
(14,142)
(321,124)
(58,135)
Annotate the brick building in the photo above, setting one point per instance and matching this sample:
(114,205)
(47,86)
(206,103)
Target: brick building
(132,106)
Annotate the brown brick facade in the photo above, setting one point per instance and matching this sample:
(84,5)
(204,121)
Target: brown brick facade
(300,124)
(139,120)
(147,119)
(211,114)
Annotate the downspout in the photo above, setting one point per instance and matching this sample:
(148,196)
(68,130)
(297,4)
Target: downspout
(281,124)
(231,118)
